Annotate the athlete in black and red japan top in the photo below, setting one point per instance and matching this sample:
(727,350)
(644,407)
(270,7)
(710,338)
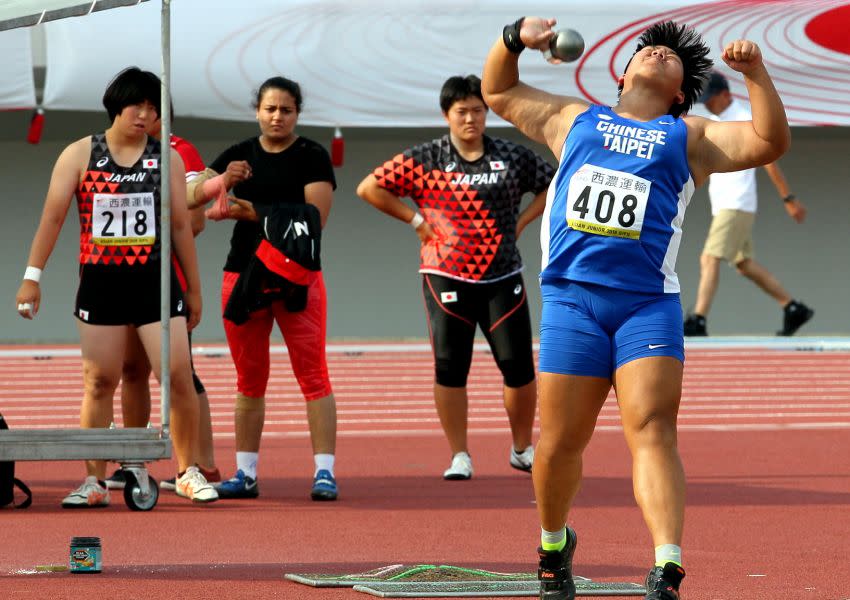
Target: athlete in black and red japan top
(468,189)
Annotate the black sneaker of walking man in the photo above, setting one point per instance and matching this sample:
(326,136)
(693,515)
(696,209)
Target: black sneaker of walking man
(795,315)
(695,325)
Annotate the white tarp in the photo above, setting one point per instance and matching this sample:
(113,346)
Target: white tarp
(381,63)
(17,88)
(25,13)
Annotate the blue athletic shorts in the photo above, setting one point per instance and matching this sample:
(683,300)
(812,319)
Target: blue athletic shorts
(593,330)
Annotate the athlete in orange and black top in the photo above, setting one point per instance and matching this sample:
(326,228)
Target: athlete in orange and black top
(119,210)
(468,188)
(115,178)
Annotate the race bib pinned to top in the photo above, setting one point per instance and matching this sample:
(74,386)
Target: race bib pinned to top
(606,202)
(123,219)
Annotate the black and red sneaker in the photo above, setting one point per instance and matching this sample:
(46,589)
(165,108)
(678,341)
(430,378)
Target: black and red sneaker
(556,571)
(662,583)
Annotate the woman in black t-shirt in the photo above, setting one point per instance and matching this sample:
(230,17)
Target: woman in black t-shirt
(277,167)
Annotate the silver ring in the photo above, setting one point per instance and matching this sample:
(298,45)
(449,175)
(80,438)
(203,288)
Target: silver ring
(25,307)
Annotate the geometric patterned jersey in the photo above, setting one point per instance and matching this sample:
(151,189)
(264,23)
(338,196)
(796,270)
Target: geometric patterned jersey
(119,207)
(472,206)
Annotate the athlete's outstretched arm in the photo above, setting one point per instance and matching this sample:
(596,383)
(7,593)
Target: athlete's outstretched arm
(184,241)
(717,146)
(209,184)
(63,184)
(318,193)
(543,117)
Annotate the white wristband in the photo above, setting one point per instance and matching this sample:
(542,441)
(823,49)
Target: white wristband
(33,274)
(417,220)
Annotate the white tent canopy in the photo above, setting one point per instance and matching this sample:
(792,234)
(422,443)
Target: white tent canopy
(26,13)
(17,85)
(17,89)
(380,63)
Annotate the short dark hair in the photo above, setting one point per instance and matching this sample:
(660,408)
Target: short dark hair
(691,50)
(715,84)
(132,86)
(459,88)
(283,84)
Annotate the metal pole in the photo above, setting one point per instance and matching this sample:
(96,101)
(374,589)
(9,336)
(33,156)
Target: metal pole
(165,223)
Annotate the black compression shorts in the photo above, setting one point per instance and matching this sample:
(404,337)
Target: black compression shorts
(500,308)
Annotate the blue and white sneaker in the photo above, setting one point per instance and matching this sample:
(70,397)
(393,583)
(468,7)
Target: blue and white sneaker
(324,486)
(238,486)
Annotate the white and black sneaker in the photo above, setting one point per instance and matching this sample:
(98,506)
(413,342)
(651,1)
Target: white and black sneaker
(194,486)
(212,476)
(461,467)
(91,494)
(522,460)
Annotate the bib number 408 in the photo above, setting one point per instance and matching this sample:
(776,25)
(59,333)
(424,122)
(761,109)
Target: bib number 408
(605,204)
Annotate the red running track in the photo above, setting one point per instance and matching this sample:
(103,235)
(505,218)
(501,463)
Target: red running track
(765,440)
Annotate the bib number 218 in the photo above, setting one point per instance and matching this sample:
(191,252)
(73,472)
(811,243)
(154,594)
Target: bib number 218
(123,220)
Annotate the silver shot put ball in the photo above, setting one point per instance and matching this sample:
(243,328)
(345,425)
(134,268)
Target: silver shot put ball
(566,45)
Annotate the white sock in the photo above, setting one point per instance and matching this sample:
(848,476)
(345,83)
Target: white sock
(553,540)
(324,461)
(247,461)
(668,553)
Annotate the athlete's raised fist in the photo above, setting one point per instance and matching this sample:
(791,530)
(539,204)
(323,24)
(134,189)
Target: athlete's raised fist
(742,55)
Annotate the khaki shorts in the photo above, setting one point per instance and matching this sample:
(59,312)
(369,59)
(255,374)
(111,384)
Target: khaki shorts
(731,236)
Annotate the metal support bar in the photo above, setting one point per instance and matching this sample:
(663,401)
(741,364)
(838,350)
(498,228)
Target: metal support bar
(165,223)
(134,445)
